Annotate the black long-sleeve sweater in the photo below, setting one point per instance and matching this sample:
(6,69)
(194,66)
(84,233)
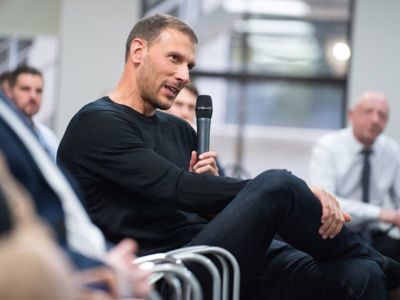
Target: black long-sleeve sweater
(133,171)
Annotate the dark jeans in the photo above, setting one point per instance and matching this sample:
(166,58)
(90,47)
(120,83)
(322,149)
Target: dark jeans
(278,202)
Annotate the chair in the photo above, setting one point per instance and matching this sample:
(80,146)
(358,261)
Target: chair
(174,272)
(171,267)
(223,256)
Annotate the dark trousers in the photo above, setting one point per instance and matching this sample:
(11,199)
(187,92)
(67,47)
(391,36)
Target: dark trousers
(278,202)
(382,242)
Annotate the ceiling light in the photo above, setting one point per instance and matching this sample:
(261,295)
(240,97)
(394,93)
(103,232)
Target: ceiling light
(271,7)
(281,27)
(341,51)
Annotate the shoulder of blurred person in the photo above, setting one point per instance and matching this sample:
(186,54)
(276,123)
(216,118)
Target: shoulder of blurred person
(47,199)
(25,168)
(32,265)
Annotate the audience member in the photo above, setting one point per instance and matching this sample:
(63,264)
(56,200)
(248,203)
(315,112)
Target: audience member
(361,166)
(184,107)
(25,90)
(58,204)
(5,82)
(132,162)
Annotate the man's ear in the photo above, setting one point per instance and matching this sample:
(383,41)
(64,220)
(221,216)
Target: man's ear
(350,114)
(137,50)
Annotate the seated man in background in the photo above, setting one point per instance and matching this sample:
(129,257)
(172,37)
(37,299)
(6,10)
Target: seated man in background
(184,107)
(361,166)
(26,91)
(132,162)
(5,81)
(58,204)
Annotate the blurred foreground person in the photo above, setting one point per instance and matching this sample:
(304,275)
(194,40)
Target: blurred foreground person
(57,202)
(32,266)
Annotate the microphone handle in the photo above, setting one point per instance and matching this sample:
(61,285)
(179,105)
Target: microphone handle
(203,135)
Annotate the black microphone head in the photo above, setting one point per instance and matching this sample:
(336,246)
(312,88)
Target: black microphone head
(204,107)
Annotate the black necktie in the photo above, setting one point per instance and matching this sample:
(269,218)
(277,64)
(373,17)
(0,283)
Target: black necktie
(365,175)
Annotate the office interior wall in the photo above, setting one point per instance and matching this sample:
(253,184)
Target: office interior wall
(30,17)
(266,148)
(93,35)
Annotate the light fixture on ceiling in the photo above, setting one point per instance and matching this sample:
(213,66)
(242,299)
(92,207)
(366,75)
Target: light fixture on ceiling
(341,51)
(275,27)
(269,7)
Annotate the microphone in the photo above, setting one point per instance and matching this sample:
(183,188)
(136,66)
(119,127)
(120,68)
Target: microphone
(203,115)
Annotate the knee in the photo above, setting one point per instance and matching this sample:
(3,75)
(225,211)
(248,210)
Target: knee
(276,189)
(368,271)
(366,278)
(276,180)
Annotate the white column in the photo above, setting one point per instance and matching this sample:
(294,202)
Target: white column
(93,34)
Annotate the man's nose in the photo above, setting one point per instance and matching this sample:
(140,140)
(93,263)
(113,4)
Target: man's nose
(375,117)
(185,113)
(34,96)
(182,74)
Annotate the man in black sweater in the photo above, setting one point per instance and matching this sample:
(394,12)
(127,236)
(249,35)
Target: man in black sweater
(141,179)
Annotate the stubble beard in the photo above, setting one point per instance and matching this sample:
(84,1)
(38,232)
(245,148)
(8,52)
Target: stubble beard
(29,110)
(152,98)
(151,95)
(150,90)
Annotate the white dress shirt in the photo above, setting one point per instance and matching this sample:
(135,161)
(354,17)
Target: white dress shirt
(336,165)
(47,137)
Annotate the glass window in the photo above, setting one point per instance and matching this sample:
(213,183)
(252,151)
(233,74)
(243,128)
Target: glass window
(149,4)
(14,51)
(281,103)
(288,47)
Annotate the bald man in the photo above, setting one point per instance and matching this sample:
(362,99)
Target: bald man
(361,166)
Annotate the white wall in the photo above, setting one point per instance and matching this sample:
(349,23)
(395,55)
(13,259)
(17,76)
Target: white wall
(93,34)
(376,49)
(267,148)
(29,17)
